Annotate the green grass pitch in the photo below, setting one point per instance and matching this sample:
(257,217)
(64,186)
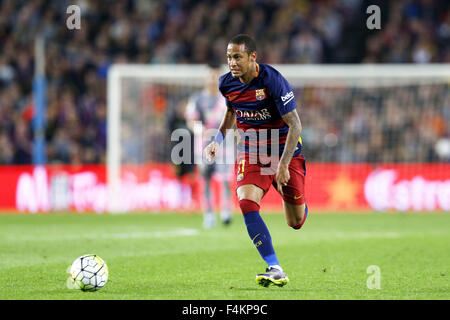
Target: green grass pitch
(171,257)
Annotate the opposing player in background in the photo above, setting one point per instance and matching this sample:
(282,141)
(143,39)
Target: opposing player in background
(259,97)
(185,172)
(205,108)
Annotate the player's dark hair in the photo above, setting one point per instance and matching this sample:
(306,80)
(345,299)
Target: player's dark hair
(250,44)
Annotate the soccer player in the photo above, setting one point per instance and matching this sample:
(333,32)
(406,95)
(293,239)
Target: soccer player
(259,97)
(207,107)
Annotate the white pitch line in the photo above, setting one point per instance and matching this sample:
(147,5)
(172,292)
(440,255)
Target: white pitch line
(110,235)
(341,235)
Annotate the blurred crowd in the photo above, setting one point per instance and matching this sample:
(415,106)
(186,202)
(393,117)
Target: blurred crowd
(191,31)
(383,124)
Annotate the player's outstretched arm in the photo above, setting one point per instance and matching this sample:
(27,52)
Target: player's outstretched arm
(228,122)
(295,129)
(292,119)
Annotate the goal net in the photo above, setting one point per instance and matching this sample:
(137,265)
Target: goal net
(375,137)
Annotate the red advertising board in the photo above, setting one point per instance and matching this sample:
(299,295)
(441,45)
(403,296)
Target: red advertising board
(330,187)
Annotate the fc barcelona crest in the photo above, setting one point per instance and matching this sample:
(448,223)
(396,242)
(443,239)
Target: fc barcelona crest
(260,95)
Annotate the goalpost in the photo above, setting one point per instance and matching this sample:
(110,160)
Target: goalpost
(368,113)
(191,77)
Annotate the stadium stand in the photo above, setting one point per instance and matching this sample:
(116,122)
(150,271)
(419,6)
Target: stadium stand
(187,31)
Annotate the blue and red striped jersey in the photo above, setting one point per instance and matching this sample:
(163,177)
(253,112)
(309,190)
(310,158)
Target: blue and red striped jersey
(260,105)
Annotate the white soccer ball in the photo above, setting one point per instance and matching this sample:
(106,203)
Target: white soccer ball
(89,273)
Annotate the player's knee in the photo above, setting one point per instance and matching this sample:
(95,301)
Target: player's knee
(248,206)
(297,222)
(297,226)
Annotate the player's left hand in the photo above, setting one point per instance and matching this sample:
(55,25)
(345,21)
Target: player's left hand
(282,177)
(211,150)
